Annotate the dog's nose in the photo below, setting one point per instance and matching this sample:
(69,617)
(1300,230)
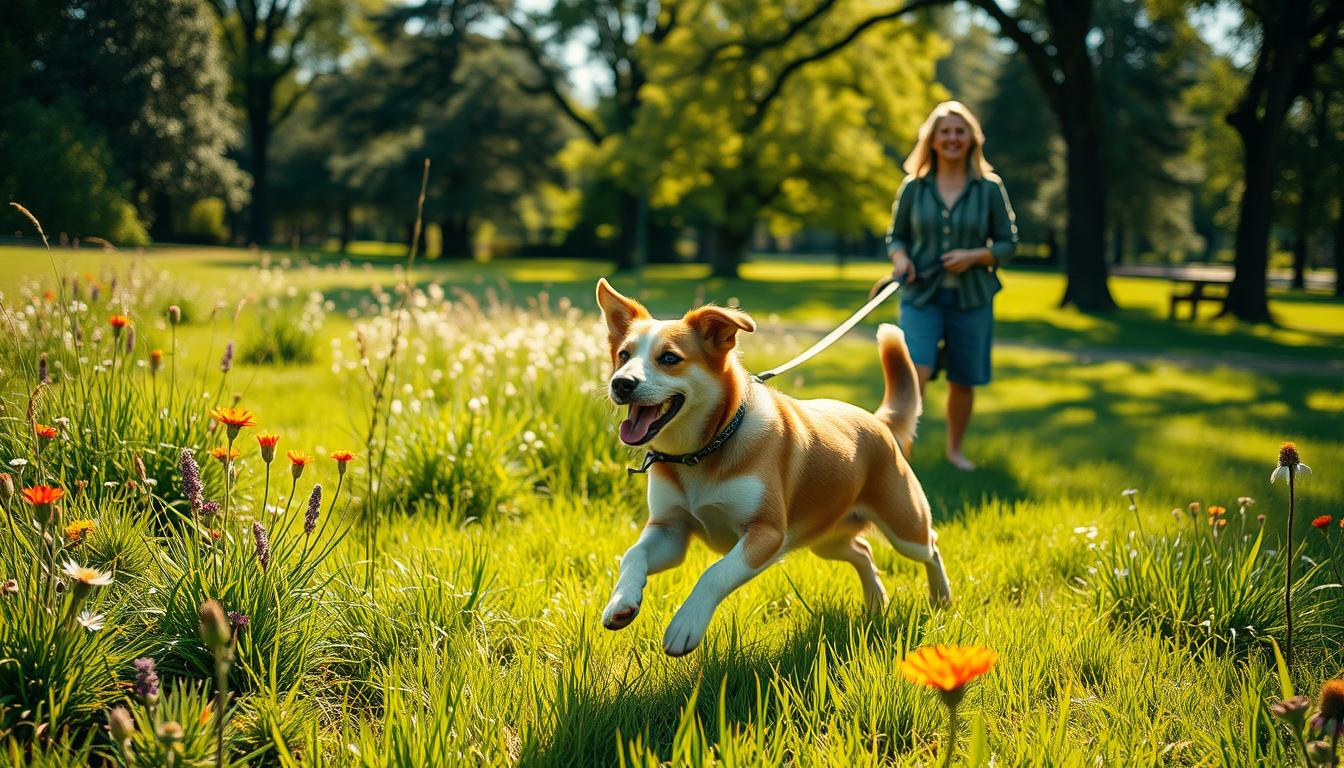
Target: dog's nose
(622,387)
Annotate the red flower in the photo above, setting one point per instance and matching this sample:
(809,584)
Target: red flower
(299,458)
(1322,522)
(343,456)
(119,321)
(267,440)
(45,432)
(42,495)
(225,454)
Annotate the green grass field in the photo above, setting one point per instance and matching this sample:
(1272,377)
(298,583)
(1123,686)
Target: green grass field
(1124,637)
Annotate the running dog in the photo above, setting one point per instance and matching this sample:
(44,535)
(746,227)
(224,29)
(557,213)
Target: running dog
(752,472)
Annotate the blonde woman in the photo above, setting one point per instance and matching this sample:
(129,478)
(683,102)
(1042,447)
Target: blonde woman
(951,229)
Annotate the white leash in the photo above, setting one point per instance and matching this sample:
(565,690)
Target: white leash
(834,335)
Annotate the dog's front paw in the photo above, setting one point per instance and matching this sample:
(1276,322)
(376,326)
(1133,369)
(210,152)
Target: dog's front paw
(686,630)
(621,610)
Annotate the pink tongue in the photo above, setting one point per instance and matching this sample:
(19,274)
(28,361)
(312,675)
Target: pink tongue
(636,426)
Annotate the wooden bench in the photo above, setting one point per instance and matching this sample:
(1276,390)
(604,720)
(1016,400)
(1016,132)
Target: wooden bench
(1192,283)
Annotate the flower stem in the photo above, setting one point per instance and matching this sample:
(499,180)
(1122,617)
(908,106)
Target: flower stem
(221,700)
(1288,571)
(951,747)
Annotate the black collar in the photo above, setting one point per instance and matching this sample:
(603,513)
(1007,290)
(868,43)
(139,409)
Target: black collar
(691,459)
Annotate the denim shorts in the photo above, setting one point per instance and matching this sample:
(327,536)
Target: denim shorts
(965,337)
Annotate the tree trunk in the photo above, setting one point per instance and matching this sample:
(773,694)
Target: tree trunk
(162,229)
(1118,244)
(347,226)
(1085,231)
(627,239)
(1300,258)
(1246,297)
(456,236)
(259,96)
(729,250)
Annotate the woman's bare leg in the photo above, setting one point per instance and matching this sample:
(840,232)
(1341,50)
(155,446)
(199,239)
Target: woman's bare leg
(960,399)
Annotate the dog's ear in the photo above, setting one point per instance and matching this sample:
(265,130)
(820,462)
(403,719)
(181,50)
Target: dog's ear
(719,326)
(619,312)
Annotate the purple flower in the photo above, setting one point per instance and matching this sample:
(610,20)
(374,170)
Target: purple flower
(226,362)
(130,340)
(191,480)
(94,293)
(43,375)
(238,620)
(146,679)
(314,501)
(209,509)
(263,543)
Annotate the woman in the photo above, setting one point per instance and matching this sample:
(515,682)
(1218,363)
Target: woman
(952,228)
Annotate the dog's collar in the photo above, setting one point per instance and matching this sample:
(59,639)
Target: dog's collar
(691,459)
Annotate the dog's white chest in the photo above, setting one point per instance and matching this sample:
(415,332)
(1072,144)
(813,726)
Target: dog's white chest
(722,508)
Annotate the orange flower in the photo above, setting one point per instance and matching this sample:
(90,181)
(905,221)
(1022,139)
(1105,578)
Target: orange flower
(216,534)
(234,417)
(225,455)
(947,667)
(1215,510)
(118,321)
(155,360)
(42,495)
(1322,522)
(342,458)
(267,442)
(297,461)
(45,431)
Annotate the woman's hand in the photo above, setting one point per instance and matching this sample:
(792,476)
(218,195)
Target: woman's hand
(959,260)
(902,268)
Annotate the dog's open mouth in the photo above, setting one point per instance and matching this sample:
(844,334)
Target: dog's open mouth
(644,421)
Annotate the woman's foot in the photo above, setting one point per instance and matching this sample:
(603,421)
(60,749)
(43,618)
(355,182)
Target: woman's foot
(959,460)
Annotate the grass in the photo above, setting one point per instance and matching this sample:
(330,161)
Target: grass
(480,641)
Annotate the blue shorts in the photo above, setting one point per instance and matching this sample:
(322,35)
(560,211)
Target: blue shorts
(965,336)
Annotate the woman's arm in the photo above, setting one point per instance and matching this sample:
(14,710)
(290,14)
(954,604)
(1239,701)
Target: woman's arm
(1002,227)
(899,234)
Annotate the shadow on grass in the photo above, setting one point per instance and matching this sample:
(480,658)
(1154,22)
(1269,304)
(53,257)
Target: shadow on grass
(597,711)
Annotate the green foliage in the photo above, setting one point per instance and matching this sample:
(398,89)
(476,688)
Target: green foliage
(189,706)
(284,334)
(205,220)
(59,167)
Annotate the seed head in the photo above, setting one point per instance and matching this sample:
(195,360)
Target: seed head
(263,544)
(226,362)
(43,375)
(1288,456)
(191,480)
(1329,719)
(120,724)
(174,314)
(139,465)
(169,733)
(215,628)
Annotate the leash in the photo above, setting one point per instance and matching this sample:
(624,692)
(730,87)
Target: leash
(879,293)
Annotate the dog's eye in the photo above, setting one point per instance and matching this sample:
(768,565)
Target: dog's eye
(669,358)
(623,356)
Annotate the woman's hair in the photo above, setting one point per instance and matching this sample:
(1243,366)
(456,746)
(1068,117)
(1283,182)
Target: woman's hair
(923,160)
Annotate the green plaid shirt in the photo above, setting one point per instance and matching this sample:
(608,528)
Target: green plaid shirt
(925,228)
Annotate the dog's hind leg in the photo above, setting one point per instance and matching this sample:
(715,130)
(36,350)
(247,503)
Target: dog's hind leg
(855,551)
(898,508)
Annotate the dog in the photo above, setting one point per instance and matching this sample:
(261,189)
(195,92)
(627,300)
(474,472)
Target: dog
(752,472)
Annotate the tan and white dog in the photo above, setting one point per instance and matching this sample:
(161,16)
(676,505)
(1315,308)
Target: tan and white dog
(809,473)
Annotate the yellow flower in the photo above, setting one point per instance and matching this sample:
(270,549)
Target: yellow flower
(79,529)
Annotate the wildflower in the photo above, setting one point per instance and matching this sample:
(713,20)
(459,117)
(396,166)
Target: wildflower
(226,362)
(155,360)
(215,628)
(79,530)
(297,461)
(138,464)
(43,376)
(1292,711)
(10,587)
(1245,501)
(234,418)
(90,621)
(6,485)
(314,502)
(146,684)
(118,322)
(263,544)
(225,455)
(130,340)
(1129,492)
(85,578)
(1290,463)
(1194,507)
(43,498)
(342,458)
(209,509)
(1329,719)
(120,724)
(191,479)
(45,431)
(947,668)
(1322,522)
(238,620)
(174,314)
(1217,511)
(1260,519)
(216,534)
(18,463)
(267,442)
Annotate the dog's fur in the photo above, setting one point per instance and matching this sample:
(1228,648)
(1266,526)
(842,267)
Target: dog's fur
(809,473)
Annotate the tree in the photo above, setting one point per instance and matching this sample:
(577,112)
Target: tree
(1213,149)
(148,74)
(1296,38)
(264,44)
(782,138)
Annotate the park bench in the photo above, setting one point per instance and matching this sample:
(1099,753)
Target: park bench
(1192,283)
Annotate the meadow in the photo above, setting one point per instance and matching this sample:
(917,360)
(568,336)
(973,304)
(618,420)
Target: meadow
(438,604)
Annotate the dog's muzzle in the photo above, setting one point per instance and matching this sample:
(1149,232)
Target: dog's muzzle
(623,388)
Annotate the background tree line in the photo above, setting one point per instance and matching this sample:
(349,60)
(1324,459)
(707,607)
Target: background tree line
(637,130)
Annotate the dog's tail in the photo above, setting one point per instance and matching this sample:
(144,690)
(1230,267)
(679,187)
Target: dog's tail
(901,405)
